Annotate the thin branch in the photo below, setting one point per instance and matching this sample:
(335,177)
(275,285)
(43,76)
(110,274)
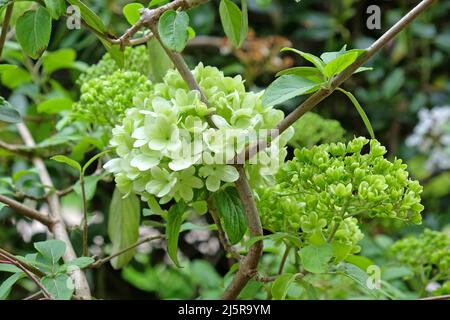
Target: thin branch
(5,25)
(85,217)
(320,95)
(31,275)
(27,211)
(31,268)
(222,236)
(284,259)
(100,262)
(444,297)
(58,228)
(247,268)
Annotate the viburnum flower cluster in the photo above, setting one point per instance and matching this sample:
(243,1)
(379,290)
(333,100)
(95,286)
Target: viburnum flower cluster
(326,188)
(427,255)
(172,144)
(105,98)
(432,137)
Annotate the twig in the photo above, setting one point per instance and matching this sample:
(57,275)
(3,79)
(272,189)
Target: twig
(247,268)
(26,270)
(320,95)
(5,25)
(100,262)
(31,268)
(85,217)
(444,297)
(284,259)
(58,228)
(222,236)
(27,211)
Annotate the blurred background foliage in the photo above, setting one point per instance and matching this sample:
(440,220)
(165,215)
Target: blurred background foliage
(410,75)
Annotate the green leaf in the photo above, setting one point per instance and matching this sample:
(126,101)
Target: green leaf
(159,60)
(51,250)
(330,56)
(316,61)
(155,3)
(172,27)
(8,113)
(359,261)
(359,276)
(360,110)
(232,22)
(191,33)
(309,288)
(281,285)
(89,16)
(55,7)
(231,210)
(341,251)
(60,287)
(90,187)
(174,220)
(315,258)
(4,267)
(287,87)
(7,67)
(393,83)
(5,287)
(132,12)
(60,59)
(81,262)
(304,72)
(339,64)
(33,31)
(14,78)
(68,161)
(91,160)
(363,69)
(55,105)
(123,226)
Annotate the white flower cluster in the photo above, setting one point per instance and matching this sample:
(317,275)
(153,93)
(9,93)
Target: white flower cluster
(167,146)
(432,137)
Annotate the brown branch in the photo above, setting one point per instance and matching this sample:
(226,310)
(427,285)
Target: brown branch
(26,269)
(58,228)
(100,262)
(27,211)
(320,95)
(5,25)
(222,236)
(444,297)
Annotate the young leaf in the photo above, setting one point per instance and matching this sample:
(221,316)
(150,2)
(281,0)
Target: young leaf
(123,226)
(337,65)
(330,56)
(8,113)
(4,267)
(287,87)
(81,262)
(359,261)
(60,287)
(132,12)
(315,258)
(60,59)
(361,112)
(68,161)
(231,210)
(51,250)
(232,22)
(316,61)
(174,220)
(5,287)
(172,27)
(303,72)
(56,8)
(281,285)
(33,31)
(89,16)
(360,277)
(55,105)
(91,160)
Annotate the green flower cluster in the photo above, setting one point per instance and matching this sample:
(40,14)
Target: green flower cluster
(428,255)
(324,189)
(169,146)
(312,129)
(135,59)
(104,99)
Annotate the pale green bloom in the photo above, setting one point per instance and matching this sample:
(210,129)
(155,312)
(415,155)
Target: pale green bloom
(214,174)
